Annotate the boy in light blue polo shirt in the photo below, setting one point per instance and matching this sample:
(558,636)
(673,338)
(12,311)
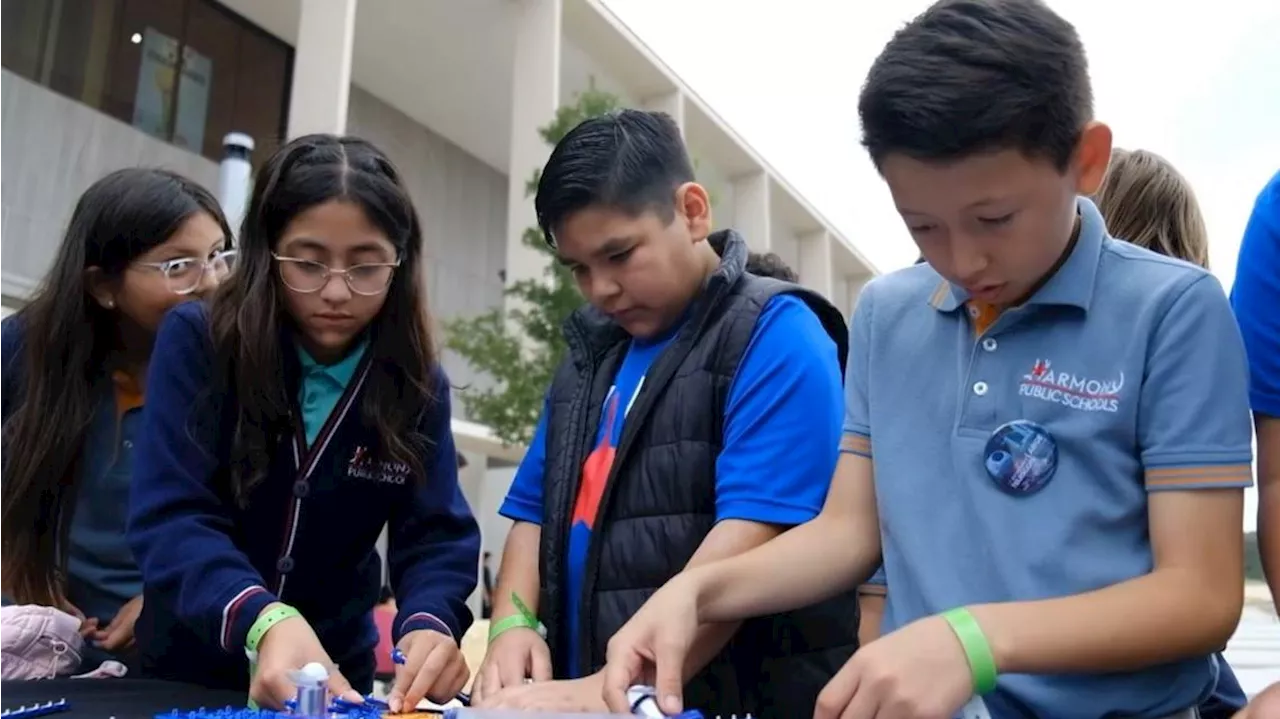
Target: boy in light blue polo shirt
(1047,433)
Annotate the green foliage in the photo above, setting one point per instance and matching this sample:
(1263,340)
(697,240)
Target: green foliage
(520,347)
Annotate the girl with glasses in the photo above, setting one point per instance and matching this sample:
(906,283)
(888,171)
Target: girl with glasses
(321,416)
(139,242)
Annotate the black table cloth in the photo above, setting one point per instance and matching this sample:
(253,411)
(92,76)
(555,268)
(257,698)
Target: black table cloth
(119,698)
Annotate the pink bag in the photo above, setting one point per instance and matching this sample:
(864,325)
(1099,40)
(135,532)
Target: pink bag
(38,642)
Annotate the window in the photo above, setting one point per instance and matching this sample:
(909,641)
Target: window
(24,27)
(184,71)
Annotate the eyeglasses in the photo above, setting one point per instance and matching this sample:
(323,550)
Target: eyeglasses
(306,276)
(184,275)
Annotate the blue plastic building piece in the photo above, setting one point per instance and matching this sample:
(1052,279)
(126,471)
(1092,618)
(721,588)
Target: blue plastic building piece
(36,710)
(226,713)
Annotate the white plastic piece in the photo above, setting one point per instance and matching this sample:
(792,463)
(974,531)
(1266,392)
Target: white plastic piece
(315,672)
(644,702)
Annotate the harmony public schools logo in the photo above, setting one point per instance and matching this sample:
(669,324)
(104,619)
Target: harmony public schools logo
(1074,391)
(362,465)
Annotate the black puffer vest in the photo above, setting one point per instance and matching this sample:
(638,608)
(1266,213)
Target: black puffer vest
(659,502)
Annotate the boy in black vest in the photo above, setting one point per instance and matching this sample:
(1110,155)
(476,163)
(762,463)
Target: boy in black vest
(697,415)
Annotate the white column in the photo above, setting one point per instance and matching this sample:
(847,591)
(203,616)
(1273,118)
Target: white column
(856,283)
(322,67)
(815,262)
(493,526)
(840,294)
(471,481)
(671,103)
(751,209)
(535,97)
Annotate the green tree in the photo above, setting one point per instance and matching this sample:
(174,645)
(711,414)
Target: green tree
(520,347)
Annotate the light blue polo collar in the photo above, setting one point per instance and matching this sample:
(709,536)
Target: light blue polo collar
(339,372)
(1072,285)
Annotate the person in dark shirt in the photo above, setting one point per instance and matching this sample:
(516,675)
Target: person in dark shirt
(297,415)
(139,242)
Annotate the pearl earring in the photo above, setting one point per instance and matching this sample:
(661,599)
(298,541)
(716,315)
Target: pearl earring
(111,304)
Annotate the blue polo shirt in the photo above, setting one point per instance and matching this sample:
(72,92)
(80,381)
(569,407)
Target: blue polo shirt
(1130,360)
(1256,299)
(322,386)
(101,572)
(781,432)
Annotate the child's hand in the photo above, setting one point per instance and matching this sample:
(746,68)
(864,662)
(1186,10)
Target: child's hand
(287,647)
(118,635)
(513,657)
(919,671)
(570,696)
(433,668)
(88,625)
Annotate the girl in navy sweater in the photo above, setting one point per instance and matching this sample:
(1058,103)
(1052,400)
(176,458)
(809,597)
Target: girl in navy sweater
(288,422)
(139,242)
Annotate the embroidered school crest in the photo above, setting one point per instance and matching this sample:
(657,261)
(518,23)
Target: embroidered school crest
(364,466)
(1079,392)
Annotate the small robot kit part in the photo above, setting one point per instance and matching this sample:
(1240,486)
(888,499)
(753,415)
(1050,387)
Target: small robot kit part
(36,710)
(313,702)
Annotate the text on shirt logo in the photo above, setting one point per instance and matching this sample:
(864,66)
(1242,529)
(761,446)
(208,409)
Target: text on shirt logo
(362,465)
(1071,390)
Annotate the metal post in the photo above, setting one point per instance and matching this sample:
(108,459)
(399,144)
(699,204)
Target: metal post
(235,177)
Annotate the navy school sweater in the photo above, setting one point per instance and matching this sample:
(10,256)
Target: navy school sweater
(306,537)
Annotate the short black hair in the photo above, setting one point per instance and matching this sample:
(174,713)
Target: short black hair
(768,264)
(627,160)
(969,76)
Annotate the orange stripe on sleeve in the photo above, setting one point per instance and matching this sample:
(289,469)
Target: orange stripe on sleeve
(1225,475)
(873,590)
(856,444)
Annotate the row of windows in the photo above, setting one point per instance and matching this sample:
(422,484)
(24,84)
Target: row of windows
(184,71)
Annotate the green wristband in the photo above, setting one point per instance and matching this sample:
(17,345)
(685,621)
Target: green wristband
(266,621)
(976,649)
(258,630)
(524,618)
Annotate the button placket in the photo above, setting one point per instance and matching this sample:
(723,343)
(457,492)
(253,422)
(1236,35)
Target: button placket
(978,406)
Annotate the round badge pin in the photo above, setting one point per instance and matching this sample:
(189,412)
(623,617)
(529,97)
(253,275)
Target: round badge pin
(1021,457)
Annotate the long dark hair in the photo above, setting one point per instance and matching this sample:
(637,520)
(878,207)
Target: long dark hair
(247,312)
(67,338)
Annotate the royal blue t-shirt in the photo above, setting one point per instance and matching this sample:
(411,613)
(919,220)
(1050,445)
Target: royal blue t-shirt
(1255,297)
(783,419)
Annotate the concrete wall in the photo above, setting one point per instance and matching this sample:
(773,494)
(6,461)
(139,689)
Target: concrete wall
(54,148)
(784,244)
(463,206)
